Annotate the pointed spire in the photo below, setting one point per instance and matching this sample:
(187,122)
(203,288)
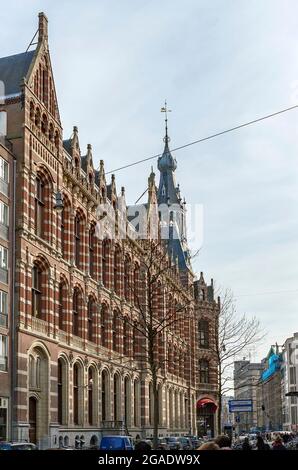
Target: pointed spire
(202,280)
(101,169)
(42,27)
(89,154)
(166,161)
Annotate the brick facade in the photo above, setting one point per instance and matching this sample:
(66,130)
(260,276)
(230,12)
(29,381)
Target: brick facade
(78,360)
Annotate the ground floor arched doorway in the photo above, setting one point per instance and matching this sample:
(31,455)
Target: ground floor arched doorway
(206,413)
(32,419)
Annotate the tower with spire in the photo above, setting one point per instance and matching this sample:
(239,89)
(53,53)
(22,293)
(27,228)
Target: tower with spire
(172,208)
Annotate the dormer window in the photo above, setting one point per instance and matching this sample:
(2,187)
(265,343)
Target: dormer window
(202,294)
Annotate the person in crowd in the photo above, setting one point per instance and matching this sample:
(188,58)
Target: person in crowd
(261,445)
(209,446)
(246,445)
(142,446)
(223,441)
(278,444)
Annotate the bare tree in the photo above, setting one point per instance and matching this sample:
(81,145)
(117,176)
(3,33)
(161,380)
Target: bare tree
(157,271)
(235,335)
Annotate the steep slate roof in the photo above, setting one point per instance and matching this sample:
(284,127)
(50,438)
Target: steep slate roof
(167,190)
(84,163)
(169,193)
(67,145)
(13,69)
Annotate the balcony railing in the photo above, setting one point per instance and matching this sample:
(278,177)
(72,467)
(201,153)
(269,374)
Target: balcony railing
(39,325)
(3,363)
(77,342)
(3,320)
(4,231)
(4,275)
(62,336)
(117,425)
(91,347)
(208,387)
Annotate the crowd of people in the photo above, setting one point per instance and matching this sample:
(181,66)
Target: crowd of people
(224,442)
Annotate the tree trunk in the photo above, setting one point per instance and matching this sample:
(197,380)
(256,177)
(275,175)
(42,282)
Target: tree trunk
(219,401)
(153,369)
(155,411)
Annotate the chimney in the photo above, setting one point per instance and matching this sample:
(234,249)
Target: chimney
(42,27)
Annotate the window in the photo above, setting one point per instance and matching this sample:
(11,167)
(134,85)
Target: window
(90,319)
(127,285)
(76,394)
(75,313)
(3,176)
(90,395)
(116,392)
(59,385)
(60,306)
(104,388)
(3,352)
(63,228)
(125,339)
(202,294)
(126,401)
(91,251)
(103,336)
(77,241)
(38,369)
(36,292)
(39,207)
(3,257)
(117,271)
(204,371)
(136,279)
(114,332)
(3,309)
(136,403)
(4,213)
(105,263)
(204,334)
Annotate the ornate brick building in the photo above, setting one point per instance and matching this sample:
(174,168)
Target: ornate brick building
(77,360)
(6,274)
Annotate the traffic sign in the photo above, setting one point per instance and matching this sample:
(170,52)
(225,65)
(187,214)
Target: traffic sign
(238,406)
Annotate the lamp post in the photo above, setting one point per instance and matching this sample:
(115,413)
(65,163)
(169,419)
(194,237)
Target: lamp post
(59,204)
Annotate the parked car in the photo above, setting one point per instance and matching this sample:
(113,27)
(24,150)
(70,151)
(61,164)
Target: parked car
(185,443)
(173,443)
(115,443)
(161,443)
(17,446)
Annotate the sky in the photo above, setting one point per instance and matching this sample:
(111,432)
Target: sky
(218,63)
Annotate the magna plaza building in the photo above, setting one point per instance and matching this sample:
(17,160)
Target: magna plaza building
(70,363)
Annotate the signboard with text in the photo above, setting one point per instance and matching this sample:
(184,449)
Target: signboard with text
(238,406)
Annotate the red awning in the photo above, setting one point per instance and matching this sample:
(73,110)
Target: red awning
(204,402)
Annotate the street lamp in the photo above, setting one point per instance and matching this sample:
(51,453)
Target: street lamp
(59,204)
(294,393)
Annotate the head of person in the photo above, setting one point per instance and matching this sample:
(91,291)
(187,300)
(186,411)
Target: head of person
(223,441)
(209,446)
(278,440)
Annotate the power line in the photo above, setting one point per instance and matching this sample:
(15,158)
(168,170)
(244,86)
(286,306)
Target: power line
(268,293)
(209,137)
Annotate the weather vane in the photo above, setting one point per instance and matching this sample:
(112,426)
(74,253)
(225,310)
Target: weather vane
(165,110)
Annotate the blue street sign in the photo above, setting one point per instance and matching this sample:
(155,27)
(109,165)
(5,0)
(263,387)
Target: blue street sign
(238,406)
